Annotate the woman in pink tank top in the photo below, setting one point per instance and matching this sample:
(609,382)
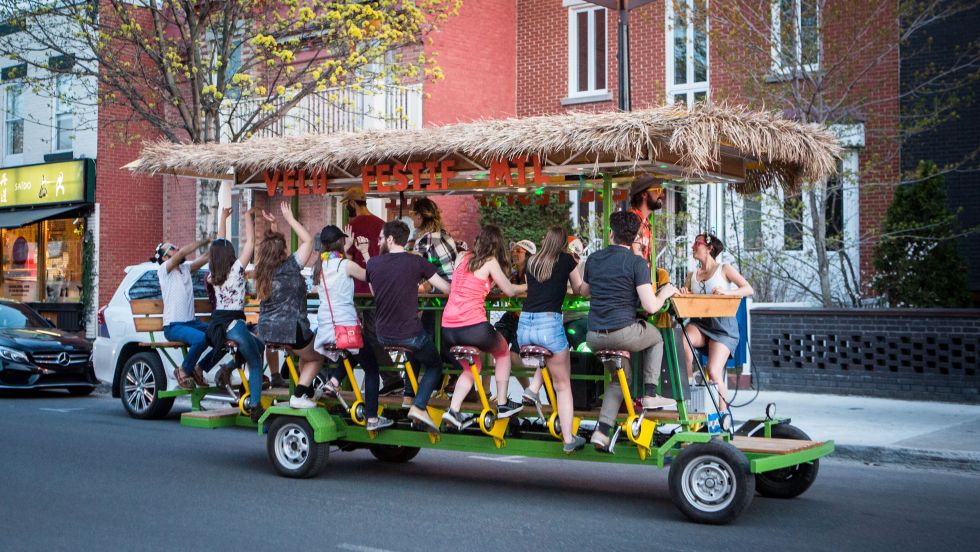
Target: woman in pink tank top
(464,321)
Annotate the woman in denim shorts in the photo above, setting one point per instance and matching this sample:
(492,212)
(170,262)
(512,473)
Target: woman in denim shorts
(549,273)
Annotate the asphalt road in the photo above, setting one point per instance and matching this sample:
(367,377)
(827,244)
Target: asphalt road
(79,474)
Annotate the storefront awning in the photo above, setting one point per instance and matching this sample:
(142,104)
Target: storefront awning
(16,219)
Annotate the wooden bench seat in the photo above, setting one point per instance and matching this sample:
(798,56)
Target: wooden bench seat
(772,446)
(148,318)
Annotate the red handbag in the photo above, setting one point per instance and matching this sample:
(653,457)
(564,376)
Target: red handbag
(347,337)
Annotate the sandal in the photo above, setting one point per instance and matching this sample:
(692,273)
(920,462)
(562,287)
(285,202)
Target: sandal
(183,380)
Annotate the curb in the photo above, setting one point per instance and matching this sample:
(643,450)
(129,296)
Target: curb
(953,460)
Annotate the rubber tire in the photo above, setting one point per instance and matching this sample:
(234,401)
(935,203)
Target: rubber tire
(393,453)
(727,454)
(81,391)
(159,407)
(316,459)
(788,482)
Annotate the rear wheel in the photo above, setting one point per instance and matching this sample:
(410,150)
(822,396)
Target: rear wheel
(142,380)
(791,481)
(394,454)
(292,450)
(711,482)
(81,391)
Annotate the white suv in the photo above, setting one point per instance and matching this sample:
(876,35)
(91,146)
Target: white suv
(137,373)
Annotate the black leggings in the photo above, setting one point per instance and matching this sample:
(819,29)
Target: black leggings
(482,336)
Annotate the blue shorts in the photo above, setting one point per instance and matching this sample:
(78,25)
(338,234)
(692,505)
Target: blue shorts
(544,329)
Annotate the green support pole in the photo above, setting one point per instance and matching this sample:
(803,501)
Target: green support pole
(607,207)
(293,238)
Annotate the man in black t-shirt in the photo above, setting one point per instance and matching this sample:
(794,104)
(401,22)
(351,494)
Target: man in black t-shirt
(394,279)
(619,282)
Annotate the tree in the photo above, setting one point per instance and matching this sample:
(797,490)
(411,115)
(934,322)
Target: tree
(218,70)
(829,63)
(917,263)
(525,222)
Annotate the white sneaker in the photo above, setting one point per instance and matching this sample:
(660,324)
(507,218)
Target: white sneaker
(301,402)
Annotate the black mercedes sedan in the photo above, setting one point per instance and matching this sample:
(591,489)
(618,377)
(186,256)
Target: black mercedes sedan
(36,355)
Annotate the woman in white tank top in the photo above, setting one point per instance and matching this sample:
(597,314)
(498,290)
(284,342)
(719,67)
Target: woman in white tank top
(716,336)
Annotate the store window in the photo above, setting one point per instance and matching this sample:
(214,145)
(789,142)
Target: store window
(795,36)
(587,49)
(14,135)
(687,51)
(63,260)
(752,221)
(63,124)
(19,264)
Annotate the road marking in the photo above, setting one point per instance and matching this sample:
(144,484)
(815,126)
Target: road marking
(504,459)
(359,548)
(62,410)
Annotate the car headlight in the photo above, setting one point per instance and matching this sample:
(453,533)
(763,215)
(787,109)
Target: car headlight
(13,355)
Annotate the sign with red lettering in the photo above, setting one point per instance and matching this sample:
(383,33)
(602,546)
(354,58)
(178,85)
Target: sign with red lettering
(393,177)
(296,182)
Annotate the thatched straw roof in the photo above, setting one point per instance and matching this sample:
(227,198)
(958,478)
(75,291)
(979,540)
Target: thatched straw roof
(771,150)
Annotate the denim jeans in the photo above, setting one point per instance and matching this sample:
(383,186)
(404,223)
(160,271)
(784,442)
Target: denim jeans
(251,348)
(425,356)
(191,333)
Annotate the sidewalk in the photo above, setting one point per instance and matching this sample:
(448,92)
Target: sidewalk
(880,431)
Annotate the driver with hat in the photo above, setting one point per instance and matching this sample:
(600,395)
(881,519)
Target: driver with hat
(646,196)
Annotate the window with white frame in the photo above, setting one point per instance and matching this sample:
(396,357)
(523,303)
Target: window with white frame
(752,222)
(795,36)
(687,51)
(63,124)
(587,49)
(14,129)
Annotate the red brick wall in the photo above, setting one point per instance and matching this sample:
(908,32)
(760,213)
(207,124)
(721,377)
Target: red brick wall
(477,52)
(130,217)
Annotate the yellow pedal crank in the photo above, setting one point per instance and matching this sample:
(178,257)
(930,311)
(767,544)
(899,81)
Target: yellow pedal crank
(357,414)
(554,425)
(493,426)
(441,393)
(242,401)
(639,430)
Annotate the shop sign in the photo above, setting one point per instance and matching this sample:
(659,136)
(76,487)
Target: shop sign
(296,182)
(47,184)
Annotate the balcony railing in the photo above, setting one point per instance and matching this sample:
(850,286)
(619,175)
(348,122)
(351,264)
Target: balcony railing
(337,110)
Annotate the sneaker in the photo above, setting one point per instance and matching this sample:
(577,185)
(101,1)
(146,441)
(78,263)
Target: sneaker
(653,402)
(421,416)
(277,381)
(530,398)
(604,443)
(256,413)
(183,380)
(509,409)
(223,377)
(199,379)
(380,423)
(303,402)
(458,420)
(577,444)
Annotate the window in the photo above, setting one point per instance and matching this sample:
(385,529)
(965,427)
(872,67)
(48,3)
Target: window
(587,40)
(795,35)
(752,221)
(834,229)
(793,223)
(14,136)
(687,51)
(64,127)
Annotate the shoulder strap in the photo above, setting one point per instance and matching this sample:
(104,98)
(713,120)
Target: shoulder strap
(323,282)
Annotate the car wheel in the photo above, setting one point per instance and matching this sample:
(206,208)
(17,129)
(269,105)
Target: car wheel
(81,391)
(791,481)
(142,380)
(292,450)
(393,453)
(711,482)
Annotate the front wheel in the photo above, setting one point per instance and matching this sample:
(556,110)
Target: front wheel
(791,481)
(293,451)
(394,454)
(711,482)
(142,380)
